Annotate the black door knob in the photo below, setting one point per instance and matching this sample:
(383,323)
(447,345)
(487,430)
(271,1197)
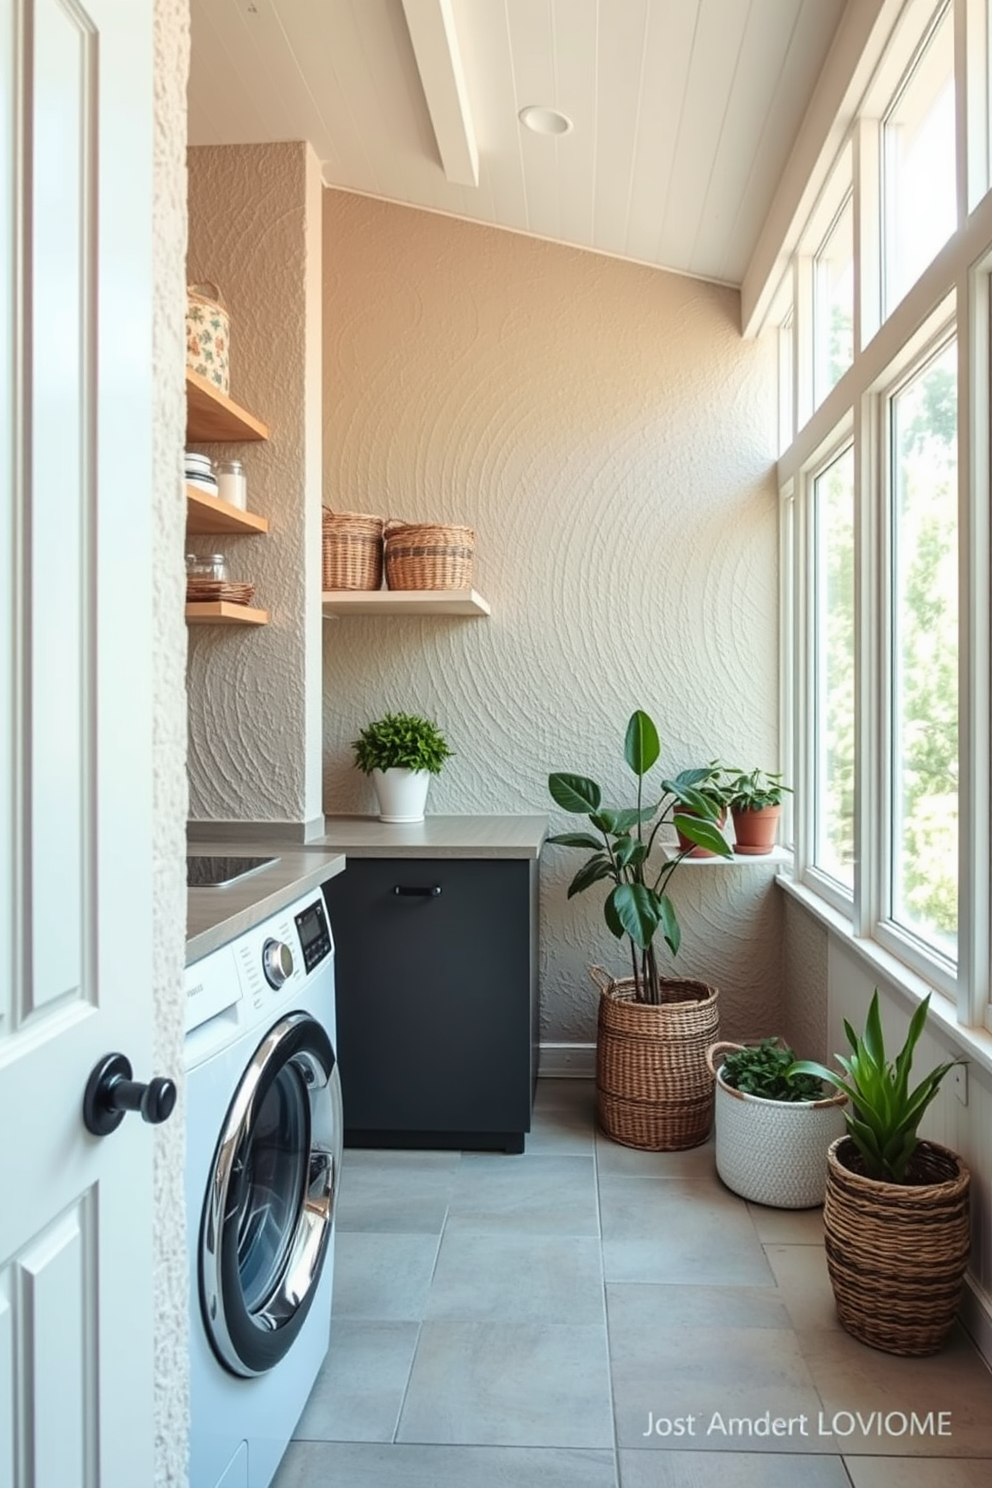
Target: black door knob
(111,1093)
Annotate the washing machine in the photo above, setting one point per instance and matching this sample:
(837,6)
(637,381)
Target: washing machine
(264,1136)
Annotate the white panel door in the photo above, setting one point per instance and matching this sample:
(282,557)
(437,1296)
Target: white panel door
(76,138)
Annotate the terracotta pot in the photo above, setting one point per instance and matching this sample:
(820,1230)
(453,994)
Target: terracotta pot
(698,852)
(756,831)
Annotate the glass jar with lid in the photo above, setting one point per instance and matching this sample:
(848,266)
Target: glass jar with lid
(232,484)
(209,566)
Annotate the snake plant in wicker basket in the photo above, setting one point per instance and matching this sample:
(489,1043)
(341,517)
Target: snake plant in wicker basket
(885,1114)
(896,1215)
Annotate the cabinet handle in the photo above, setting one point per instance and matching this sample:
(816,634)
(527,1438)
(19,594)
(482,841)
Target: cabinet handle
(429,891)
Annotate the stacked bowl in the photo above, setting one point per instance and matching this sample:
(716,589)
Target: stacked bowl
(200,472)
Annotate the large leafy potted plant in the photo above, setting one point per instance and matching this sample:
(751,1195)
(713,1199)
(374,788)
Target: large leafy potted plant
(896,1211)
(773,1124)
(401,751)
(654,1089)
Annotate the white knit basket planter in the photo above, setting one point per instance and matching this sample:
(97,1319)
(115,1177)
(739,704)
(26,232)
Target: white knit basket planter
(402,794)
(775,1152)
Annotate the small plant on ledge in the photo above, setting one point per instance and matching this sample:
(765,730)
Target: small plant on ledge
(755,800)
(714,786)
(401,751)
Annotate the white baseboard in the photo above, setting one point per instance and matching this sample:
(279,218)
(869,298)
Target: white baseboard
(568,1061)
(976,1314)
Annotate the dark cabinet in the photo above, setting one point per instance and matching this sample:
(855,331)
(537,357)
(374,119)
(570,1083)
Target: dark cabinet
(437,1014)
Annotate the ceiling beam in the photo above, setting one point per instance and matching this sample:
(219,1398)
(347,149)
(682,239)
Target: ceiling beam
(435,46)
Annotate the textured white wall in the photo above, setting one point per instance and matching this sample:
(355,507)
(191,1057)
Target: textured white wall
(169,736)
(610,437)
(254,693)
(804,981)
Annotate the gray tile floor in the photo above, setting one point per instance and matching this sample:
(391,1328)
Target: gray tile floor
(587,1316)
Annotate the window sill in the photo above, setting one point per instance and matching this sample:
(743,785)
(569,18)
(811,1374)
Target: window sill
(974,1044)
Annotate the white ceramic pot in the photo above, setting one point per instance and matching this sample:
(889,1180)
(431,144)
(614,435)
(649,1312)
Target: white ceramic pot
(774,1152)
(402,794)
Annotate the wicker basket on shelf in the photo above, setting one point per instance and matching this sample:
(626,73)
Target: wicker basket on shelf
(421,555)
(352,550)
(654,1089)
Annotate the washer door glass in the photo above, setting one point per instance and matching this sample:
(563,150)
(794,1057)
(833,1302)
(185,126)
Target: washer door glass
(270,1204)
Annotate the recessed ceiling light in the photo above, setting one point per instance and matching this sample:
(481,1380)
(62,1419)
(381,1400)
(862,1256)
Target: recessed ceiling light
(544,120)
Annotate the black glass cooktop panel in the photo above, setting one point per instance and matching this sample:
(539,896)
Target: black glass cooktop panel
(214,873)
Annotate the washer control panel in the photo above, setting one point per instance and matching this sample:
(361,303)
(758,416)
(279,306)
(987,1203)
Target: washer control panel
(315,937)
(268,966)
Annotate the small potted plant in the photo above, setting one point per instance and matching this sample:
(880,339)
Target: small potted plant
(653,1089)
(755,800)
(401,752)
(714,787)
(773,1124)
(896,1221)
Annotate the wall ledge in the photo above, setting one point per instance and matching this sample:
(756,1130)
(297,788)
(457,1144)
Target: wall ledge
(975,1044)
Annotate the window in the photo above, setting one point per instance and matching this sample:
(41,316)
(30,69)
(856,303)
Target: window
(885,511)
(833,303)
(786,396)
(923,733)
(833,630)
(920,209)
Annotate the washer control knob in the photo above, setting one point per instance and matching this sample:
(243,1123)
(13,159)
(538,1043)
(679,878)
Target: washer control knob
(277,962)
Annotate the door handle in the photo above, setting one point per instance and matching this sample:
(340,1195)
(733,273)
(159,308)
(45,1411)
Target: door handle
(428,891)
(111,1093)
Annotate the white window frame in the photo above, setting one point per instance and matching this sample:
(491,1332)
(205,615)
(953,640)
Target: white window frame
(925,959)
(821,353)
(829,888)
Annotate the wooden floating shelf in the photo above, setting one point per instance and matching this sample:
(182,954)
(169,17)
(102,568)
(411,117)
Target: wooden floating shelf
(211,415)
(209,514)
(340,602)
(222,612)
(740,860)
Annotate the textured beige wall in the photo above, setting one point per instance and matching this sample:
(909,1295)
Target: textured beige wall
(254,694)
(804,981)
(610,437)
(169,733)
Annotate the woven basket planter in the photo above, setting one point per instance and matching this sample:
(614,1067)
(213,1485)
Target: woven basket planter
(897,1252)
(421,555)
(351,550)
(653,1087)
(773,1152)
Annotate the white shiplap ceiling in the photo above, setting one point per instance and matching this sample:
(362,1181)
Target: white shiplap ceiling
(684,111)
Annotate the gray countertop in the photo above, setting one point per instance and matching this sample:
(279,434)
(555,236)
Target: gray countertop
(435,837)
(216,916)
